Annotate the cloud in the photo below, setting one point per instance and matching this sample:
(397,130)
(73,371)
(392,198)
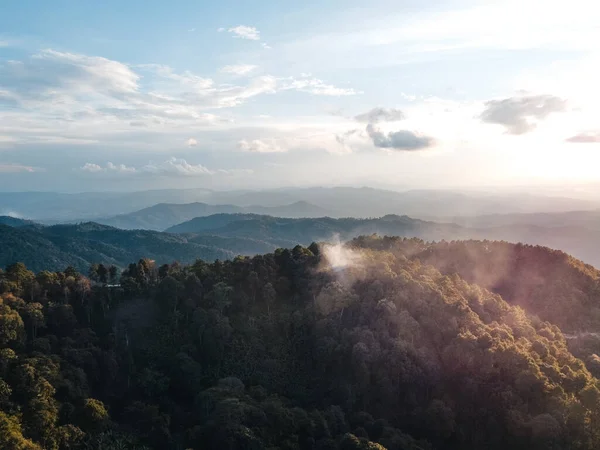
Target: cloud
(92,168)
(379,114)
(236,95)
(51,90)
(239,69)
(67,70)
(170,167)
(260,146)
(315,86)
(17,168)
(191,142)
(245,32)
(58,97)
(176,166)
(110,167)
(266,46)
(519,115)
(399,140)
(186,78)
(585,138)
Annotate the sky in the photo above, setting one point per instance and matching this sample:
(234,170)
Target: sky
(152,94)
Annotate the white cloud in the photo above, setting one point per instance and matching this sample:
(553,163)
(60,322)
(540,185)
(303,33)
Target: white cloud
(237,95)
(245,32)
(176,166)
(85,74)
(109,167)
(92,168)
(315,86)
(63,98)
(191,142)
(185,78)
(260,146)
(120,168)
(239,69)
(170,167)
(16,168)
(266,46)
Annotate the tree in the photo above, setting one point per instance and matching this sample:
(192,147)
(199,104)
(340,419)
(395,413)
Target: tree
(94,415)
(11,435)
(11,325)
(113,274)
(102,272)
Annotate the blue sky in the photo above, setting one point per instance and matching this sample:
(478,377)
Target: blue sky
(148,94)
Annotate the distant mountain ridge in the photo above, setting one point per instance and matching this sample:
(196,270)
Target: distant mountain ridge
(307,230)
(332,201)
(587,219)
(164,215)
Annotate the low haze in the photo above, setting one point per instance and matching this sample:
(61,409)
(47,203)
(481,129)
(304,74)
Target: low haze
(138,95)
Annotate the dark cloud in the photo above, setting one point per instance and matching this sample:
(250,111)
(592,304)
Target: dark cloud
(379,114)
(399,140)
(585,138)
(518,114)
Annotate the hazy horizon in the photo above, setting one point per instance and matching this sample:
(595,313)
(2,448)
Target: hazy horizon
(574,190)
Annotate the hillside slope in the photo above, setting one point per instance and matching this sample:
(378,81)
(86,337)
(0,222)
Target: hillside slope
(314,348)
(549,283)
(305,231)
(581,242)
(15,222)
(56,247)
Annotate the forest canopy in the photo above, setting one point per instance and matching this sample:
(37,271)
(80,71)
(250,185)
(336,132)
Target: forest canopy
(364,346)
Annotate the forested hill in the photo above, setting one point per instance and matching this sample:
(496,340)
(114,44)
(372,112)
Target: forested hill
(312,348)
(221,236)
(56,247)
(226,235)
(549,283)
(15,222)
(313,229)
(579,241)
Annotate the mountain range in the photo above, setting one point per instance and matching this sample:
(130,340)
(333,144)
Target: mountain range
(334,202)
(223,236)
(164,215)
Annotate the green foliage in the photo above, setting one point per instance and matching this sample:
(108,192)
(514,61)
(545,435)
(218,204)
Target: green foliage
(93,414)
(11,436)
(280,351)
